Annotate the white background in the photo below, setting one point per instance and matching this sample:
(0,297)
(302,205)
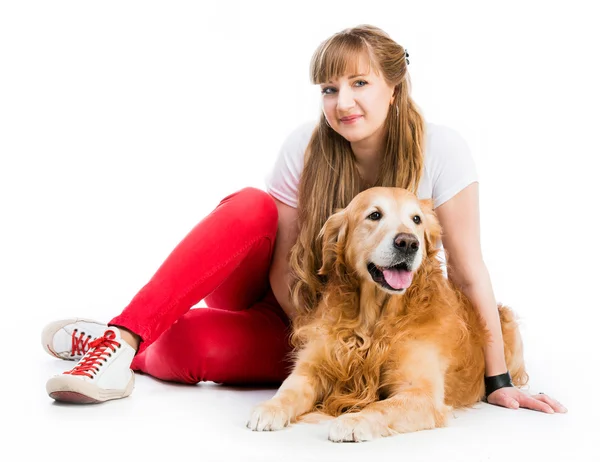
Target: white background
(123,123)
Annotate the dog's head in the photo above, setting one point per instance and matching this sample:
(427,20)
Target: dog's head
(382,236)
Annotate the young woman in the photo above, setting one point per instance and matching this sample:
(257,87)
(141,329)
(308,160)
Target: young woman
(254,258)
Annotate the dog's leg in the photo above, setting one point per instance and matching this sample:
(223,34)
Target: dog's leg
(416,402)
(297,395)
(410,410)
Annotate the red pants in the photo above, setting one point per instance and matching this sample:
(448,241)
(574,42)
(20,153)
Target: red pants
(243,336)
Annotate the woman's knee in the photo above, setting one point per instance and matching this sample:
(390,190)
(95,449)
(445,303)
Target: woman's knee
(257,206)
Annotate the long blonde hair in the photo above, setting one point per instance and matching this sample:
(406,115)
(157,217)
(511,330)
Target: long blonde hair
(330,178)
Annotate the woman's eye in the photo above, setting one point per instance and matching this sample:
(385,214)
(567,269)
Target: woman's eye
(330,90)
(417,219)
(375,216)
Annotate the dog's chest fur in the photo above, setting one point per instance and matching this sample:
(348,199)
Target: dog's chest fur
(354,363)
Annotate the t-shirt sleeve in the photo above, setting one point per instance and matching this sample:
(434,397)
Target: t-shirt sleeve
(283,179)
(451,165)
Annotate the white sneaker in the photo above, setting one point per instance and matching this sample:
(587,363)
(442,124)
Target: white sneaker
(70,338)
(103,373)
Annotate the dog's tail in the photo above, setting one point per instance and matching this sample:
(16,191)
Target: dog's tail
(513,346)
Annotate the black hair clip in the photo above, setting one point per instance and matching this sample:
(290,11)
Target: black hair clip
(406,55)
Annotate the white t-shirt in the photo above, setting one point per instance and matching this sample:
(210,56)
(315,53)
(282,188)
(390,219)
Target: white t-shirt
(448,167)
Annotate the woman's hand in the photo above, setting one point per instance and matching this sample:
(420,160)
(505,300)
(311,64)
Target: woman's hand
(513,398)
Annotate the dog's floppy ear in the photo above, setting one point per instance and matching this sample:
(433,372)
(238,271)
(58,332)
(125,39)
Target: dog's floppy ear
(433,229)
(333,235)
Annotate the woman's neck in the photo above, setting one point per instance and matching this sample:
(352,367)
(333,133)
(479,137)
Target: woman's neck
(368,154)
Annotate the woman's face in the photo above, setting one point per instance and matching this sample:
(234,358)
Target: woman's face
(356,106)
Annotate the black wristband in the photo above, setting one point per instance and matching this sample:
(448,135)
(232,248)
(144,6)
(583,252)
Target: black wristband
(497,381)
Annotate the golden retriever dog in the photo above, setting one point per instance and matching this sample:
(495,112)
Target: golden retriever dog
(393,346)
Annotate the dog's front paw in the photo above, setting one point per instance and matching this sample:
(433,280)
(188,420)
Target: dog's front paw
(268,416)
(356,427)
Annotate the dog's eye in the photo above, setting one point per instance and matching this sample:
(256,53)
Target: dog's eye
(375,216)
(417,219)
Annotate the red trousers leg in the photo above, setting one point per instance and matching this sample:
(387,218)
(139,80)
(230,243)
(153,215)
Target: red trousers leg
(225,259)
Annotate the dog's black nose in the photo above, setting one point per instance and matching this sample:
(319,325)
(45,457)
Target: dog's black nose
(407,244)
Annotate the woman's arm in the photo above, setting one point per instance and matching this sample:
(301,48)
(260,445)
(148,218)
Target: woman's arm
(459,218)
(279,273)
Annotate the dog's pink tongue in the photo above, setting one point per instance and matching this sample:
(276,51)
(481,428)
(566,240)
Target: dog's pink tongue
(398,279)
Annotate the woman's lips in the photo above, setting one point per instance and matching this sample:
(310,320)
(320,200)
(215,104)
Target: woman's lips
(350,119)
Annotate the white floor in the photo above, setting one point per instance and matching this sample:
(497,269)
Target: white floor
(165,421)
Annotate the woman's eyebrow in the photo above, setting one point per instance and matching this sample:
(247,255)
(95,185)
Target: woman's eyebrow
(351,77)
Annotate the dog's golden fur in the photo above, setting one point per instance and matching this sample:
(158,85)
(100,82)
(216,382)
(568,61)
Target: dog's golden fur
(386,362)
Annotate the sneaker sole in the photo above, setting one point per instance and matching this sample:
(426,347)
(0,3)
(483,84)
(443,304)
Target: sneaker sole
(69,389)
(52,328)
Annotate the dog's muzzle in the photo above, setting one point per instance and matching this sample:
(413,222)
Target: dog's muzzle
(398,276)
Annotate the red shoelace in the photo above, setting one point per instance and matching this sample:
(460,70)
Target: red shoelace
(100,350)
(79,343)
